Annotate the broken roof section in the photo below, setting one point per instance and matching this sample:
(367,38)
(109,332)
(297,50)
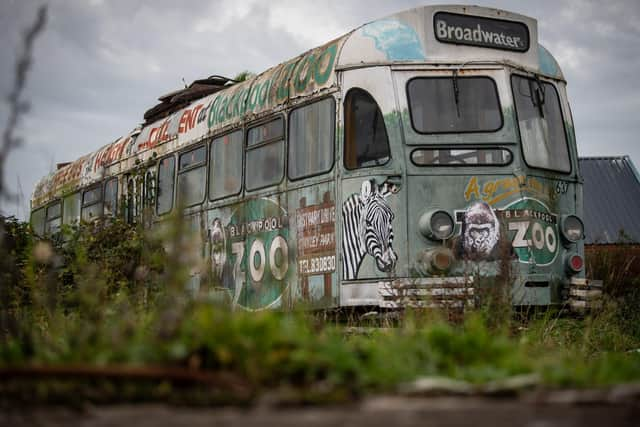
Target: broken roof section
(611,200)
(178,99)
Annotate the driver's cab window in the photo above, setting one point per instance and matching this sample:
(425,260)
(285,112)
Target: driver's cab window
(366,142)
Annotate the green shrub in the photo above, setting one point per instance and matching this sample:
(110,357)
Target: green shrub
(113,294)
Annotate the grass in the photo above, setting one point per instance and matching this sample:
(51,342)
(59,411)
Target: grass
(82,303)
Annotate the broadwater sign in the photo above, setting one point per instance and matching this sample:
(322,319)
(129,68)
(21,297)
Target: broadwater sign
(481,31)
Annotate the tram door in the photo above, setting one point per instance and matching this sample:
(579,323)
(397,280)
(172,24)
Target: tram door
(372,207)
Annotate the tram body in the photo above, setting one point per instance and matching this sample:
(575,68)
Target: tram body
(418,152)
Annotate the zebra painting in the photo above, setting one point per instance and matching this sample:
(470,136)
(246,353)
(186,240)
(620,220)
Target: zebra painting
(367,229)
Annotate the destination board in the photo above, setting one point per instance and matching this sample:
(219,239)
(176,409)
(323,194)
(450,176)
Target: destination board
(481,31)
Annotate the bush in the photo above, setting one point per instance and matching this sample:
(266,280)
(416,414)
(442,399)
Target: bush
(111,294)
(618,266)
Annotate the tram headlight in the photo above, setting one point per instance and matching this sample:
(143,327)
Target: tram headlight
(436,225)
(572,228)
(435,260)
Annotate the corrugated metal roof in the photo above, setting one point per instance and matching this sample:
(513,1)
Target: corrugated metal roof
(611,200)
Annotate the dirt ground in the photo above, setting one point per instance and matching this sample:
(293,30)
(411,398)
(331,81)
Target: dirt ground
(373,412)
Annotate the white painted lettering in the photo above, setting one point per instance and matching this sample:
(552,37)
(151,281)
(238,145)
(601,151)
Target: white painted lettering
(441,28)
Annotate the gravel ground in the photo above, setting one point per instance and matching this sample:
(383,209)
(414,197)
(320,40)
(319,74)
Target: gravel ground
(378,411)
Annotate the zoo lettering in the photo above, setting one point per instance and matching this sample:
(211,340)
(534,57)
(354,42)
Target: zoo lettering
(287,79)
(540,233)
(277,257)
(256,226)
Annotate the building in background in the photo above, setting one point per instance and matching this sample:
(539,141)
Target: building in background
(611,200)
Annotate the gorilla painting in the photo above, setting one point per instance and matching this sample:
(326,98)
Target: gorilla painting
(218,249)
(480,233)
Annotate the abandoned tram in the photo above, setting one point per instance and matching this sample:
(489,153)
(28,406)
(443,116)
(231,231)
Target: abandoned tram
(413,155)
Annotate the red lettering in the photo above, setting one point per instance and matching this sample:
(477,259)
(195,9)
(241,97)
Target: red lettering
(188,119)
(194,116)
(120,150)
(156,136)
(163,134)
(184,121)
(152,137)
(100,159)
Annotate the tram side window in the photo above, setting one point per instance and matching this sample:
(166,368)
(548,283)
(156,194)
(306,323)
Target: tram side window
(71,209)
(544,141)
(192,176)
(311,130)
(366,142)
(54,218)
(265,154)
(166,171)
(111,197)
(225,176)
(453,105)
(37,221)
(92,203)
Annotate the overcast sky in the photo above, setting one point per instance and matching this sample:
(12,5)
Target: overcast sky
(101,63)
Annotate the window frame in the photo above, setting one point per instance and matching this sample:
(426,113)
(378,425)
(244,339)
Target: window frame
(496,92)
(333,137)
(41,232)
(243,136)
(149,188)
(462,147)
(204,164)
(265,143)
(114,209)
(173,184)
(133,187)
(47,220)
(344,148)
(84,205)
(78,194)
(562,117)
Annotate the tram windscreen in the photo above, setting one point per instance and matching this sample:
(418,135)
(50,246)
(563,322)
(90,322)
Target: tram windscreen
(454,104)
(544,141)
